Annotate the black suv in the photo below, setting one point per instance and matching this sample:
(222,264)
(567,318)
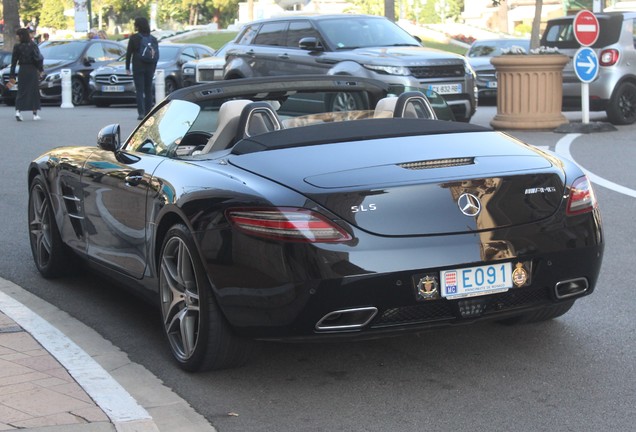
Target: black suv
(614,90)
(354,45)
(80,56)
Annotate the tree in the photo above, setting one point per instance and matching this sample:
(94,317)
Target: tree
(536,21)
(30,10)
(11,22)
(53,14)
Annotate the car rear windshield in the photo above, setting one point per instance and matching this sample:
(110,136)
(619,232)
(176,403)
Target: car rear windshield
(560,33)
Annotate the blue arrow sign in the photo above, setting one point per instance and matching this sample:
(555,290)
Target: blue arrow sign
(585,64)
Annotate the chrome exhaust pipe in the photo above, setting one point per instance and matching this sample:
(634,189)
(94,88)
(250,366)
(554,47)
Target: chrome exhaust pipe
(570,288)
(347,319)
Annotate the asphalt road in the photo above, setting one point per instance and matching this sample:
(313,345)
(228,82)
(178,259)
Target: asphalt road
(576,373)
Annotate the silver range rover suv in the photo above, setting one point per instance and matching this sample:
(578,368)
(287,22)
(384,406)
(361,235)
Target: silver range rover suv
(614,90)
(351,45)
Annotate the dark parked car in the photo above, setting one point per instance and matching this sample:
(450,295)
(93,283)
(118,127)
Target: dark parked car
(479,55)
(5,59)
(614,89)
(351,45)
(80,56)
(111,84)
(246,210)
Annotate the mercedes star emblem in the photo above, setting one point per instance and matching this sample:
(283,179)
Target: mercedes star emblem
(469,204)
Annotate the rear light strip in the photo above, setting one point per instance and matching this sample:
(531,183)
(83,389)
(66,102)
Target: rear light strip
(287,224)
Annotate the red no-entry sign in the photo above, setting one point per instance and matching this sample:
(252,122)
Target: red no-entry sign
(586,28)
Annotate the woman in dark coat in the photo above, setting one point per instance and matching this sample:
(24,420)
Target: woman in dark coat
(142,71)
(27,54)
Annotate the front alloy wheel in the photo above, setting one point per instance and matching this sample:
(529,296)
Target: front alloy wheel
(200,338)
(49,253)
(78,92)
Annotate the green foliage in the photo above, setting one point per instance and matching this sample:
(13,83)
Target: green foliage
(214,40)
(30,10)
(52,14)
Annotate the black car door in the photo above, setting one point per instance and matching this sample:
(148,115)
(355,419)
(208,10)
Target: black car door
(119,189)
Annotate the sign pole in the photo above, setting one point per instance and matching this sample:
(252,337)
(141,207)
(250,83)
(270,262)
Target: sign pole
(585,102)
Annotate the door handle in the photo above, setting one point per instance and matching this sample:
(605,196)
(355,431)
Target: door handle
(283,56)
(134,178)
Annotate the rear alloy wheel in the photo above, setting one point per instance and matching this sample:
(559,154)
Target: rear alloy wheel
(200,338)
(545,314)
(78,92)
(49,253)
(345,101)
(622,106)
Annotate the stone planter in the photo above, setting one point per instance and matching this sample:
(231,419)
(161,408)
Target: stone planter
(529,91)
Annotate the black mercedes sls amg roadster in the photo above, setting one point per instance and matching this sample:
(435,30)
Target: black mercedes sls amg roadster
(297,209)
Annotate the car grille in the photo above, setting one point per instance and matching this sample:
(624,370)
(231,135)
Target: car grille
(487,75)
(114,79)
(444,71)
(205,75)
(444,310)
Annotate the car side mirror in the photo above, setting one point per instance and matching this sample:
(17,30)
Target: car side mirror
(310,44)
(89,61)
(109,138)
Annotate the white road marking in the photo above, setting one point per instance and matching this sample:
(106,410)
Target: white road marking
(122,409)
(563,148)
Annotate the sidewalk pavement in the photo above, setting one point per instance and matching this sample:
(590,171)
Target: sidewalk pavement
(49,384)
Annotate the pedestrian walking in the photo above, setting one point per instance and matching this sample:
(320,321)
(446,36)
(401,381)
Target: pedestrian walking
(27,54)
(143,53)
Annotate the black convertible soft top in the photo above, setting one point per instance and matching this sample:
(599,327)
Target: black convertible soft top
(333,132)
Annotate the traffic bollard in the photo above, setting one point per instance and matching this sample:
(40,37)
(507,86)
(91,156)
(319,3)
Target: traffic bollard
(67,90)
(160,85)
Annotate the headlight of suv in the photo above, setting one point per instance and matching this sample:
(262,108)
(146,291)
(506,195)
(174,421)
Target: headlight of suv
(389,70)
(188,71)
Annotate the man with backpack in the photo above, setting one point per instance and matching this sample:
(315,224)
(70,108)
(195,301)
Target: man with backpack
(143,50)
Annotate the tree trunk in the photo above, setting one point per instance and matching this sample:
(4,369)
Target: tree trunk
(11,23)
(389,9)
(536,25)
(502,17)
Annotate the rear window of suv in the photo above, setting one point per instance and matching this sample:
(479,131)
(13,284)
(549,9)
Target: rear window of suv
(560,33)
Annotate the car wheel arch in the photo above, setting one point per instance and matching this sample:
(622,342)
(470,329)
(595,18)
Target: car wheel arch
(350,68)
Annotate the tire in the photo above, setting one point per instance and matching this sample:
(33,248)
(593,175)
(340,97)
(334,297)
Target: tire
(345,102)
(199,336)
(171,85)
(545,314)
(9,101)
(51,256)
(78,92)
(622,106)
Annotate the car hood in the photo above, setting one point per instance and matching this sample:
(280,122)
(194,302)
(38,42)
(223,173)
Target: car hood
(480,63)
(404,56)
(415,185)
(57,63)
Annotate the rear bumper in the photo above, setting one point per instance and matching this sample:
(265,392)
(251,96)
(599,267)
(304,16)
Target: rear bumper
(260,305)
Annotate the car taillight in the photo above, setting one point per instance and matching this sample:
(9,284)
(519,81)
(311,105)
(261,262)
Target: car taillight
(582,197)
(609,57)
(287,224)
